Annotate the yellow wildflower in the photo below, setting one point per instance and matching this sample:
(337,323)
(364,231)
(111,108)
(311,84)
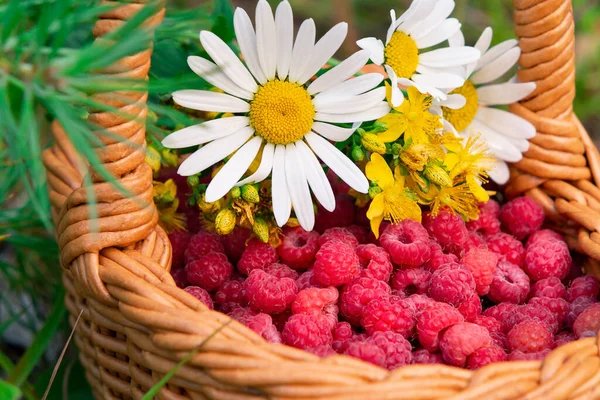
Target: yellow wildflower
(165,198)
(459,198)
(165,192)
(393,202)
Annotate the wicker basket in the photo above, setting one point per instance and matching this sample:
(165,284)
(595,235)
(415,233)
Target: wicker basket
(136,324)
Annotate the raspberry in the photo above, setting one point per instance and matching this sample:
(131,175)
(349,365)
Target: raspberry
(529,337)
(530,312)
(547,259)
(543,235)
(487,223)
(585,286)
(388,314)
(481,263)
(201,295)
(412,281)
(180,241)
(474,241)
(336,264)
(307,331)
(342,333)
(342,345)
(209,271)
(423,356)
(501,311)
(510,284)
(280,271)
(520,356)
(340,234)
(493,326)
(577,307)
(315,301)
(451,283)
(355,296)
(360,233)
(462,340)
(235,243)
(433,320)
(258,322)
(231,294)
(342,215)
(407,243)
(438,257)
(257,255)
(366,351)
(322,351)
(522,217)
(508,247)
(486,355)
(180,277)
(418,302)
(306,280)
(558,307)
(298,247)
(375,262)
(269,294)
(588,322)
(396,348)
(201,244)
(470,308)
(564,337)
(550,287)
(448,229)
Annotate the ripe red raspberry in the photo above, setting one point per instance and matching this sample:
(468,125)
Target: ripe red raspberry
(180,277)
(470,308)
(520,356)
(510,284)
(306,280)
(339,234)
(375,262)
(462,340)
(201,295)
(342,345)
(451,283)
(588,322)
(564,337)
(256,256)
(550,287)
(508,247)
(474,241)
(530,312)
(501,311)
(448,228)
(342,215)
(522,217)
(486,355)
(298,247)
(279,270)
(307,331)
(585,286)
(361,233)
(355,296)
(396,348)
(235,243)
(180,241)
(577,307)
(558,307)
(366,351)
(316,301)
(269,294)
(547,259)
(411,281)
(544,235)
(487,223)
(231,294)
(209,271)
(424,356)
(407,243)
(336,264)
(201,244)
(529,337)
(481,263)
(258,322)
(433,320)
(438,257)
(342,333)
(388,314)
(494,327)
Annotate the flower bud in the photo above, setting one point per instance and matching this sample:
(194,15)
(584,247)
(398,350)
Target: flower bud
(236,192)
(372,143)
(206,207)
(438,175)
(358,154)
(261,230)
(225,221)
(250,194)
(153,158)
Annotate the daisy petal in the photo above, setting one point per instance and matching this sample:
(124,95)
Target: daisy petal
(303,49)
(265,167)
(339,73)
(354,103)
(204,100)
(483,44)
(448,127)
(282,204)
(446,30)
(433,91)
(226,59)
(496,52)
(506,122)
(397,97)
(211,73)
(284,21)
(449,57)
(393,25)
(455,101)
(324,49)
(521,144)
(266,38)
(214,152)
(351,87)
(368,115)
(500,172)
(417,11)
(497,68)
(498,144)
(441,80)
(457,40)
(338,162)
(334,133)
(298,188)
(504,93)
(441,11)
(316,176)
(233,170)
(246,38)
(375,48)
(205,132)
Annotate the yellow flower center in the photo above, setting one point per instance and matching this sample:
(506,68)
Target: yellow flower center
(393,198)
(402,55)
(462,118)
(281,112)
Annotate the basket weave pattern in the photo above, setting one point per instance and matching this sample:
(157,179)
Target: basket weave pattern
(135,324)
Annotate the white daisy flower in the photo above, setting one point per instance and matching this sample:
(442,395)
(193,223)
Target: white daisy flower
(423,25)
(279,114)
(468,109)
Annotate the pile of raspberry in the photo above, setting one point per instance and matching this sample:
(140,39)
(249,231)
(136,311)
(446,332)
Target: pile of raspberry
(444,291)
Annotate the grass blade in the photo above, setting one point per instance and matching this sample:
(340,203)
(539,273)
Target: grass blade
(9,391)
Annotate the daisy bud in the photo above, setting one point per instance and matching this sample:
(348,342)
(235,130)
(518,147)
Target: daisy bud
(373,143)
(261,230)
(250,194)
(225,221)
(438,175)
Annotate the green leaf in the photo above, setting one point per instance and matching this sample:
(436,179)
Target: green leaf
(223,20)
(9,391)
